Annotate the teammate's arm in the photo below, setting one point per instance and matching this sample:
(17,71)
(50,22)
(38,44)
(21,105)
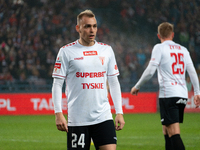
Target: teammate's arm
(195,82)
(193,77)
(150,70)
(147,74)
(115,92)
(61,122)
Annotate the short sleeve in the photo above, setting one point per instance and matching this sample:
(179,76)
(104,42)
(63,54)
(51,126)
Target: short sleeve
(61,65)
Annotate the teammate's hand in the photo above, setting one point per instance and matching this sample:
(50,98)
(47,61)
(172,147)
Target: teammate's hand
(61,122)
(119,122)
(197,100)
(134,91)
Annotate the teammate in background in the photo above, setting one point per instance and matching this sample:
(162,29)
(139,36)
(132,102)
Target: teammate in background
(85,65)
(171,61)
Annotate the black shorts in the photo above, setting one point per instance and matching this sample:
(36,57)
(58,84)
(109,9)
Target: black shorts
(79,137)
(172,110)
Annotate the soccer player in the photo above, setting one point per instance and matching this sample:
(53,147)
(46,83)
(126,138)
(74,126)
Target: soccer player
(171,61)
(86,65)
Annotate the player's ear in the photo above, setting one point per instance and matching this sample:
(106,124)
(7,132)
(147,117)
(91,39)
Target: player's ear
(77,28)
(159,36)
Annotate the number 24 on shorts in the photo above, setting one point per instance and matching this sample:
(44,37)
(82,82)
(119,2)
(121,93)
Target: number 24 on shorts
(81,140)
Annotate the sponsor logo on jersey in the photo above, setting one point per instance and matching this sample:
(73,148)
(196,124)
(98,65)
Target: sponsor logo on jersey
(162,120)
(57,68)
(90,74)
(79,58)
(92,85)
(181,101)
(90,53)
(102,59)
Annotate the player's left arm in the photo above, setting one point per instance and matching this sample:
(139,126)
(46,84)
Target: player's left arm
(197,100)
(194,78)
(195,82)
(119,122)
(115,92)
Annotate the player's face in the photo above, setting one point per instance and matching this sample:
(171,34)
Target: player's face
(87,30)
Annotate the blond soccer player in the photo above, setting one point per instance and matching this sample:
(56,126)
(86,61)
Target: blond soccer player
(85,65)
(171,60)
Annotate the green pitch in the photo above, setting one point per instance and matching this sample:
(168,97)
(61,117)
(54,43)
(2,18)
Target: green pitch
(141,132)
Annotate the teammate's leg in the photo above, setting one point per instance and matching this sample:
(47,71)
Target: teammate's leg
(173,129)
(172,110)
(168,144)
(174,135)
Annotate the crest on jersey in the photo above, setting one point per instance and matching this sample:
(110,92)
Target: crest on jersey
(102,59)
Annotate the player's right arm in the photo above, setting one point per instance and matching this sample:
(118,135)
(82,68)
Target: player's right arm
(115,92)
(61,122)
(147,74)
(149,71)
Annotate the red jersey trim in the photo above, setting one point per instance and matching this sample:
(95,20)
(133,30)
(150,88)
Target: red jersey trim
(70,44)
(58,75)
(103,44)
(113,74)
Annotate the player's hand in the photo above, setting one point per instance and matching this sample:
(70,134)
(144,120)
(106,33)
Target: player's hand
(119,122)
(134,91)
(61,122)
(197,100)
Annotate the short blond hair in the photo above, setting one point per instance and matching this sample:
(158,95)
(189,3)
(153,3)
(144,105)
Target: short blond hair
(87,13)
(165,29)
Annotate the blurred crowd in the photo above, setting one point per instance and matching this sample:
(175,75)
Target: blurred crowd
(31,33)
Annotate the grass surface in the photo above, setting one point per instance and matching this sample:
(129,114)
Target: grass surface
(141,132)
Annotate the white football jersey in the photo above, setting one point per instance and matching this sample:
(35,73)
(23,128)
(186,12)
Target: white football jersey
(85,69)
(171,60)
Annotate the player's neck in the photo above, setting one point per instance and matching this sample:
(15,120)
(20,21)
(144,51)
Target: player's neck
(166,39)
(84,43)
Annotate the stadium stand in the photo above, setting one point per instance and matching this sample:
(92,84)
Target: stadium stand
(32,32)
